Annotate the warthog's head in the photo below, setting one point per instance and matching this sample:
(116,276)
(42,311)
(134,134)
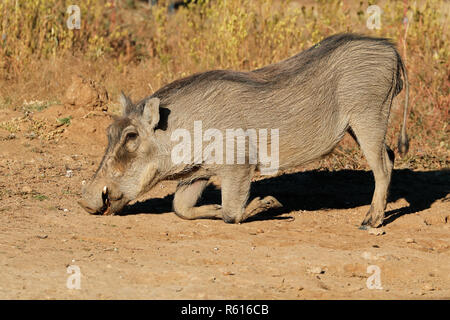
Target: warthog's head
(129,166)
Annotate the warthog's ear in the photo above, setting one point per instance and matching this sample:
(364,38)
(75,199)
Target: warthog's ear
(151,112)
(126,103)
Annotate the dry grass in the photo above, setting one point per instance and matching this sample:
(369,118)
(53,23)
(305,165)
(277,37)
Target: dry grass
(131,46)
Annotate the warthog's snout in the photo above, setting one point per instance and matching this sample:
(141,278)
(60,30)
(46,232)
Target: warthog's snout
(101,200)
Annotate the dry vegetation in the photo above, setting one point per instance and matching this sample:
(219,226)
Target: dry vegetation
(129,45)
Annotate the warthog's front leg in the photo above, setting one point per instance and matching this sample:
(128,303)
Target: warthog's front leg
(258,205)
(235,192)
(186,197)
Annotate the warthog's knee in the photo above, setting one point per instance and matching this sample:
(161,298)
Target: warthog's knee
(230,219)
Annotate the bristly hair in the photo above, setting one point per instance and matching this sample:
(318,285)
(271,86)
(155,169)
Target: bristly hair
(272,74)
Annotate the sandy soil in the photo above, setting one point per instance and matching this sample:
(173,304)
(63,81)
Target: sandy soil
(309,249)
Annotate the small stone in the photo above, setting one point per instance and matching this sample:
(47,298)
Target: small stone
(369,256)
(27,189)
(42,236)
(228,273)
(69,173)
(31,135)
(410,240)
(428,287)
(260,231)
(376,231)
(316,270)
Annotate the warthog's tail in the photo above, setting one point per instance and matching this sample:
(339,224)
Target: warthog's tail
(403,142)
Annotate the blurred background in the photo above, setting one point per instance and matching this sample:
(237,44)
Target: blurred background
(139,46)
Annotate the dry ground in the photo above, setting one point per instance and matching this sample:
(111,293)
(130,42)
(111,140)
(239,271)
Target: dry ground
(311,248)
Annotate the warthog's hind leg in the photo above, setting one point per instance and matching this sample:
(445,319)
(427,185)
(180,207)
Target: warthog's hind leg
(371,137)
(375,215)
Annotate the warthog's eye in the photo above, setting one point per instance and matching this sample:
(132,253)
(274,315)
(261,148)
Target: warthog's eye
(131,136)
(131,141)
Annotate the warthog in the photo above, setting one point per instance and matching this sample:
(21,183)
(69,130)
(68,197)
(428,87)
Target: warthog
(346,83)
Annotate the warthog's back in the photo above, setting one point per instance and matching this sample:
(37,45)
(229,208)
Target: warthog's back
(309,97)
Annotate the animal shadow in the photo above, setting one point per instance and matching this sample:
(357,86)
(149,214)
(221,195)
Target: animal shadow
(316,190)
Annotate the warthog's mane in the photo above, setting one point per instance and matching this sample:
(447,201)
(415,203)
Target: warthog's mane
(270,75)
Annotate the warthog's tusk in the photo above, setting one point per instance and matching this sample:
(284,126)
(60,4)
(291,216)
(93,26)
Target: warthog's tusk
(106,202)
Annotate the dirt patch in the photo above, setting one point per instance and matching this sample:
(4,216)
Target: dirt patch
(86,93)
(310,248)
